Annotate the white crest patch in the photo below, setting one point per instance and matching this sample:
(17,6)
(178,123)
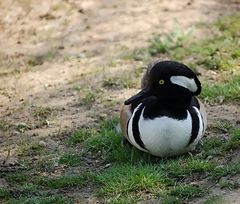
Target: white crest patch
(188,83)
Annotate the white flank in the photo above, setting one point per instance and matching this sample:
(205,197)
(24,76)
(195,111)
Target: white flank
(188,83)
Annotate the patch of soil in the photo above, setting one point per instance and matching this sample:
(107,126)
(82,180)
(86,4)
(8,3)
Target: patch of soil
(224,112)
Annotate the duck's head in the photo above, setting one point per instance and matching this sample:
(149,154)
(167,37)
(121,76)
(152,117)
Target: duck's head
(168,81)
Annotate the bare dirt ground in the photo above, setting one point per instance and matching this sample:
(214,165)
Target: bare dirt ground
(52,53)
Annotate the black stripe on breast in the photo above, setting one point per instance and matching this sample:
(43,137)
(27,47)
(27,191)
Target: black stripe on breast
(195,124)
(135,128)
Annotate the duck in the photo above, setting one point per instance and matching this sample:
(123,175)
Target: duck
(165,118)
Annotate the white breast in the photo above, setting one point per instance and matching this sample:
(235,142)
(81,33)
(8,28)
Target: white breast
(165,136)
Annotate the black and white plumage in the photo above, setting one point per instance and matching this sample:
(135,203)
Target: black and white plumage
(165,118)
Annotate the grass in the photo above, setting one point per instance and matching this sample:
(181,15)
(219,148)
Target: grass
(225,170)
(70,159)
(229,184)
(106,142)
(48,163)
(220,52)
(130,175)
(128,79)
(42,200)
(22,127)
(28,148)
(187,167)
(220,146)
(88,97)
(234,141)
(187,191)
(133,172)
(229,25)
(42,115)
(222,126)
(125,179)
(222,92)
(123,82)
(61,181)
(5,125)
(213,200)
(25,188)
(4,193)
(41,112)
(170,41)
(17,178)
(81,135)
(163,44)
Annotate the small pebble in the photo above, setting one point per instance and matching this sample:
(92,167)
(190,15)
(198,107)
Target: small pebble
(42,143)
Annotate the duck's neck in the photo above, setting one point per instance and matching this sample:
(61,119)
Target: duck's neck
(171,107)
(177,103)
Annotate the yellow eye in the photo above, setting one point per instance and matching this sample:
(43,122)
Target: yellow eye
(161,82)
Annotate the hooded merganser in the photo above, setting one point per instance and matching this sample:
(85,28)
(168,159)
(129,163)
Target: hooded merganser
(165,118)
